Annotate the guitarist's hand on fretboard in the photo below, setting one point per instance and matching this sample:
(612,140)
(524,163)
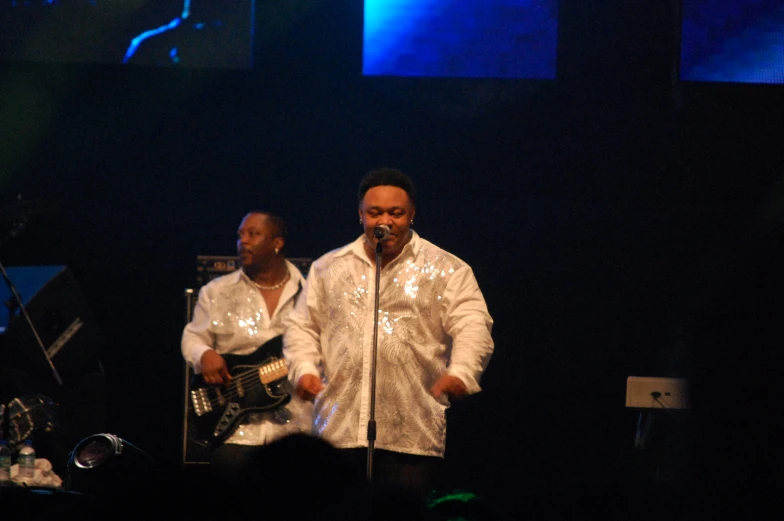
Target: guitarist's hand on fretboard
(214,369)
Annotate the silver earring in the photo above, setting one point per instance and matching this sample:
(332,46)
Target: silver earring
(411,223)
(276,252)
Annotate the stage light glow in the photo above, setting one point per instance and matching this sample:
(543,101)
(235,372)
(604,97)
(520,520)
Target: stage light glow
(469,39)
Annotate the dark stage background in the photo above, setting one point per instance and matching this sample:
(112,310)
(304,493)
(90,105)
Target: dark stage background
(596,210)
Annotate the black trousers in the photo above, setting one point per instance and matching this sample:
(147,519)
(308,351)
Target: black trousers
(229,461)
(412,473)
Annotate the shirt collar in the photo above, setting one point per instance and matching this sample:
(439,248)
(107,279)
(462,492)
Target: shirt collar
(240,275)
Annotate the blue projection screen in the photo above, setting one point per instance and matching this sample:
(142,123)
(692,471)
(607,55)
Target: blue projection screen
(735,41)
(181,33)
(460,38)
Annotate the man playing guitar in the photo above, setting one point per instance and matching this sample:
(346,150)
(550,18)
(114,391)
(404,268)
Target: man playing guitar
(240,398)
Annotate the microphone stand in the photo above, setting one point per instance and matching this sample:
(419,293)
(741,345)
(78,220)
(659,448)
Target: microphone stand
(20,304)
(371,429)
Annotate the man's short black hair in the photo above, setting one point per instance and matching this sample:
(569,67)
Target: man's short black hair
(278,224)
(387,177)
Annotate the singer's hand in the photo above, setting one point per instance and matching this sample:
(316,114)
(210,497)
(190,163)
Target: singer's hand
(214,369)
(450,385)
(308,386)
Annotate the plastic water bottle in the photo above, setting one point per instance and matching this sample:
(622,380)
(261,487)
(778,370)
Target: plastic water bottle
(26,461)
(5,463)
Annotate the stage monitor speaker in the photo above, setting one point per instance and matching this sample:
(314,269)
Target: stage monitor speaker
(59,315)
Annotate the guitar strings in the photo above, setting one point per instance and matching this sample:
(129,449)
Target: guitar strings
(248,379)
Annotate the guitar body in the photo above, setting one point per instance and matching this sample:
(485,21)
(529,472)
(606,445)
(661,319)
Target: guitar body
(216,410)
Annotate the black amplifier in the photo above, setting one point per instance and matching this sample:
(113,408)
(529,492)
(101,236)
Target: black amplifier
(210,266)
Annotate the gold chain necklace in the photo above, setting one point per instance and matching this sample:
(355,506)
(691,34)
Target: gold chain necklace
(276,286)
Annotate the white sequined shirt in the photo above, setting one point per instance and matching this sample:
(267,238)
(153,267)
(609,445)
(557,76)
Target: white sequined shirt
(433,319)
(231,317)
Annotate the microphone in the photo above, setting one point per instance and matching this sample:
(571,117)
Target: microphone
(381,232)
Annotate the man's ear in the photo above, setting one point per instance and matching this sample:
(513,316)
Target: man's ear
(279,243)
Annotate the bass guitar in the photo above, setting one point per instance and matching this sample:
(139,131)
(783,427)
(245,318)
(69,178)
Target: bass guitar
(216,409)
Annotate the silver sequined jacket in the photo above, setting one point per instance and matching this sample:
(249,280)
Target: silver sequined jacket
(432,319)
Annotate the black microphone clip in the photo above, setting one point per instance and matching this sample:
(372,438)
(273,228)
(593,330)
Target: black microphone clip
(381,232)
